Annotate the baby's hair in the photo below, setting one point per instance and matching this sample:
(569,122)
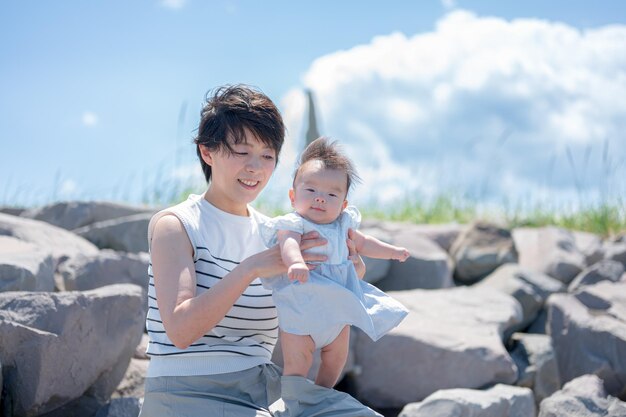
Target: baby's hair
(331,156)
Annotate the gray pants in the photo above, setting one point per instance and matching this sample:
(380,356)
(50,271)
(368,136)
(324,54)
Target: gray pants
(252,392)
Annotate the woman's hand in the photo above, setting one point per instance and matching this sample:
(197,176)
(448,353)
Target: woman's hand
(269,263)
(354,256)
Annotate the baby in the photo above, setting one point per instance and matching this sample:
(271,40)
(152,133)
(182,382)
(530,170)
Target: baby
(316,307)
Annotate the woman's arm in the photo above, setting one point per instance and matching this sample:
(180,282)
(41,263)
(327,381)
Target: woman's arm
(371,247)
(187,316)
(289,242)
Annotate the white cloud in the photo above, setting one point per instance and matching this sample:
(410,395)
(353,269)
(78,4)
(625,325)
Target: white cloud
(68,188)
(481,104)
(89,119)
(173,4)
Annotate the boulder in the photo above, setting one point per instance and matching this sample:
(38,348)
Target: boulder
(121,407)
(529,288)
(615,251)
(582,397)
(65,353)
(13,211)
(451,338)
(125,234)
(107,267)
(481,249)
(132,385)
(550,250)
(588,330)
(498,401)
(25,266)
(590,245)
(61,243)
(442,234)
(428,266)
(606,270)
(534,356)
(74,214)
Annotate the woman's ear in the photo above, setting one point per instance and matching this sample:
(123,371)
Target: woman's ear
(207,155)
(292,197)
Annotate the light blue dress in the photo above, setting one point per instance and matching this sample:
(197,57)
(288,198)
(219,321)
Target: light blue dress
(333,296)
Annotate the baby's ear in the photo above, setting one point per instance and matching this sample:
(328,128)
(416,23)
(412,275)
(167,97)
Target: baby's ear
(292,197)
(345,204)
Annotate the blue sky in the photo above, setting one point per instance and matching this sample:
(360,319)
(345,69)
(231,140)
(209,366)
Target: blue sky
(99,100)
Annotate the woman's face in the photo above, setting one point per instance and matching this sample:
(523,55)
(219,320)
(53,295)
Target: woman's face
(319,193)
(238,178)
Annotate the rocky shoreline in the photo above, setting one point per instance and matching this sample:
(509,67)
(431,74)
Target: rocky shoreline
(521,322)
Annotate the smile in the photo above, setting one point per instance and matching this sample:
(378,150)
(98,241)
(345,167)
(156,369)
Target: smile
(249,183)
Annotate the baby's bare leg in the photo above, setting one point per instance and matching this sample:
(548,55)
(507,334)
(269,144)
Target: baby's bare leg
(297,353)
(334,358)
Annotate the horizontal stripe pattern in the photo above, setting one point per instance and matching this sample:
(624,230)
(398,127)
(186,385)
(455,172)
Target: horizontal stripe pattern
(250,328)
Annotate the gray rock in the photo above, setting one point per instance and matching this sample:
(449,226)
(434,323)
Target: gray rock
(442,234)
(606,270)
(615,251)
(529,288)
(582,397)
(588,330)
(68,348)
(480,250)
(74,214)
(540,324)
(108,267)
(550,250)
(61,243)
(451,338)
(498,401)
(590,245)
(13,211)
(121,407)
(428,267)
(132,385)
(125,234)
(534,356)
(24,266)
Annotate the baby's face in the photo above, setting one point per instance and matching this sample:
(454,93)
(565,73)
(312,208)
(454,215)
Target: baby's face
(320,193)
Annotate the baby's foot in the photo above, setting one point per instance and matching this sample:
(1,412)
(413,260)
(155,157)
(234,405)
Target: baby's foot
(298,272)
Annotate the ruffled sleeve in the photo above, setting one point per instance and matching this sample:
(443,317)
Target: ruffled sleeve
(270,228)
(351,217)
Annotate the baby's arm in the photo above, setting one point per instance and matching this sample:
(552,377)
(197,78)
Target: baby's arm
(292,257)
(371,247)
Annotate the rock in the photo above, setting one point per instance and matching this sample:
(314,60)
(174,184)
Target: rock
(498,401)
(140,350)
(428,267)
(616,252)
(13,211)
(588,330)
(24,266)
(606,270)
(582,397)
(61,243)
(132,385)
(68,348)
(449,339)
(74,214)
(480,250)
(540,324)
(590,245)
(550,250)
(529,288)
(121,407)
(125,234)
(105,268)
(534,356)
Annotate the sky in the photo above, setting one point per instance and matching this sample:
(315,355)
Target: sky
(497,101)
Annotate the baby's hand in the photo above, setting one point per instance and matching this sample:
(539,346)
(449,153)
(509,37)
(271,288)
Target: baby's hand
(400,254)
(298,271)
